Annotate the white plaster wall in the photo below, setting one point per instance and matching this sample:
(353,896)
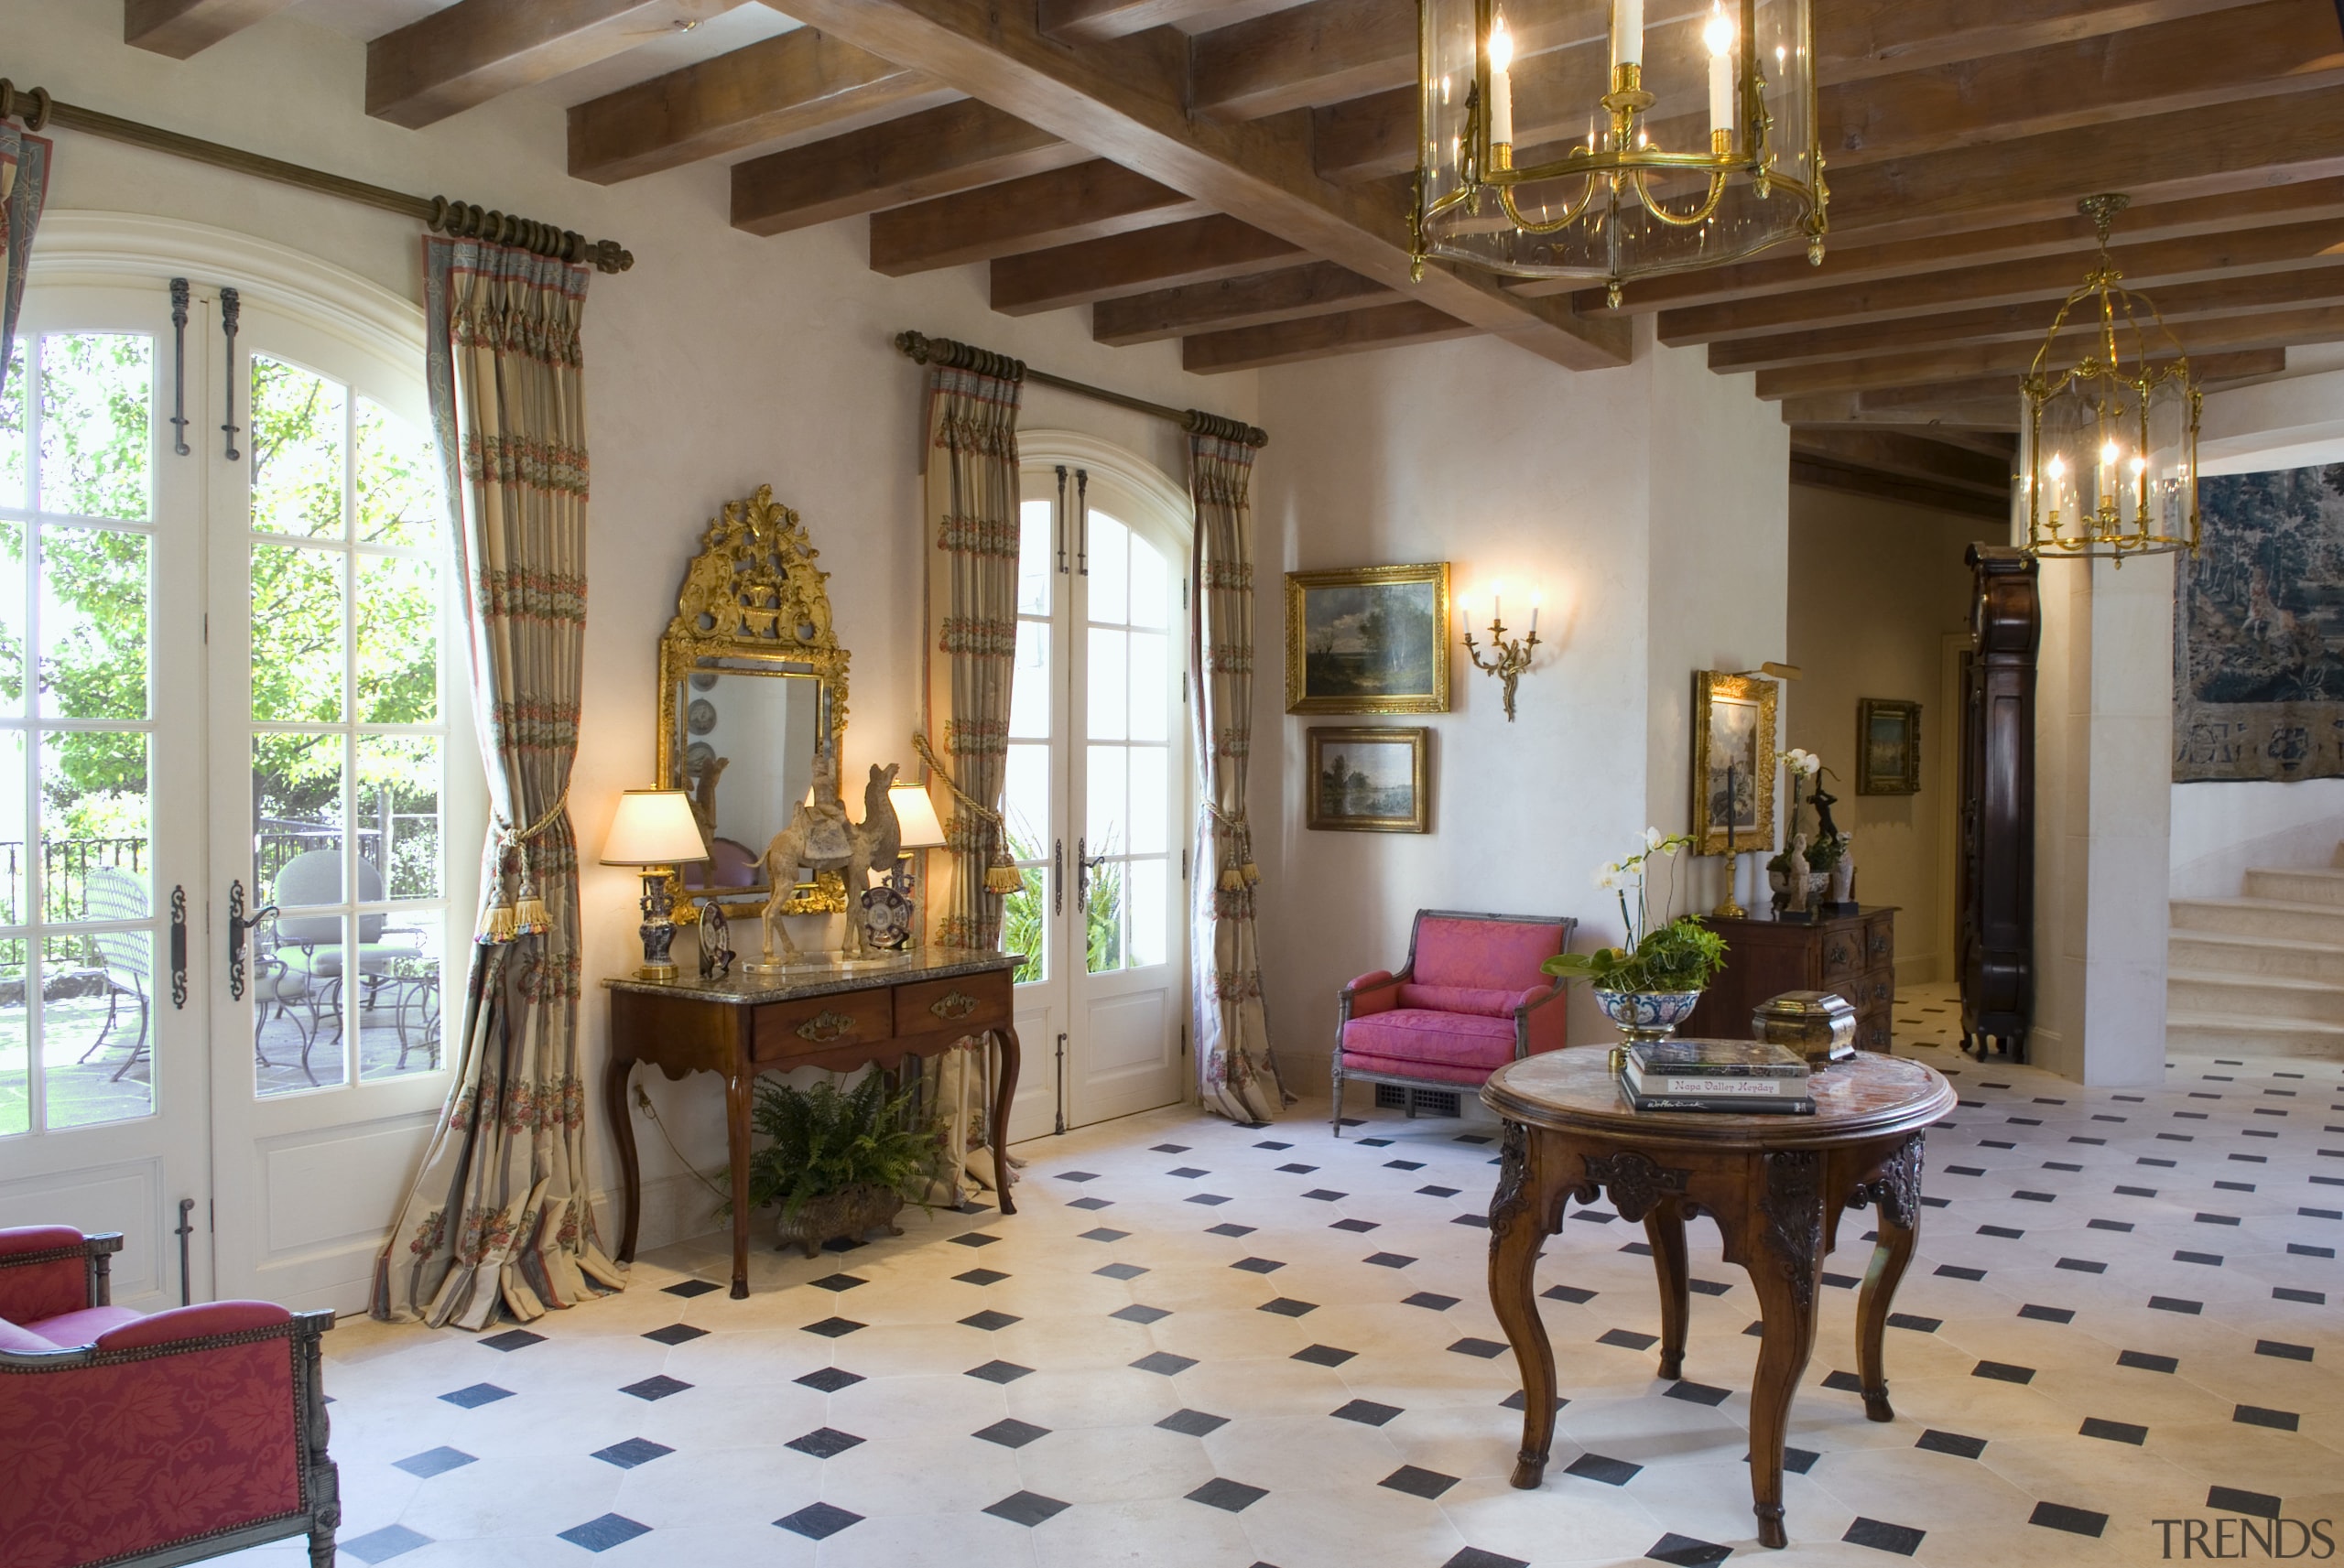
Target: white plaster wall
(721,361)
(1877,590)
(1477,454)
(2222,830)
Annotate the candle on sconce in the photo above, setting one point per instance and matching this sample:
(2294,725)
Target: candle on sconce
(1534,614)
(1718,33)
(1627,32)
(1501,83)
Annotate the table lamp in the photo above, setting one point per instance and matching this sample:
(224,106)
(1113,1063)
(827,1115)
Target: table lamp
(916,815)
(654,829)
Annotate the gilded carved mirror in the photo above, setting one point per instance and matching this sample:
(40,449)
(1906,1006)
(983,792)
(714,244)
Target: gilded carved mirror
(752,690)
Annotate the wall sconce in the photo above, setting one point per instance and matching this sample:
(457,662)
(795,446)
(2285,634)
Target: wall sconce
(1509,658)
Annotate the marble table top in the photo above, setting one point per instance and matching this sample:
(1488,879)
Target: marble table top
(823,976)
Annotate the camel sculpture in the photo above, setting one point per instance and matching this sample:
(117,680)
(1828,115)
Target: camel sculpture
(820,838)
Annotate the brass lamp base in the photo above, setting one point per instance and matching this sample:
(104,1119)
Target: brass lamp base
(660,972)
(659,927)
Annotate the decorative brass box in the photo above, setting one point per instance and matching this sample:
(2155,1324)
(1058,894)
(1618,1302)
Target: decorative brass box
(1818,1025)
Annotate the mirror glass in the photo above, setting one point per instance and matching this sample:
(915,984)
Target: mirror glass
(745,750)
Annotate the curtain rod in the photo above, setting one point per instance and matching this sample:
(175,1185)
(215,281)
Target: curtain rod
(462,219)
(924,349)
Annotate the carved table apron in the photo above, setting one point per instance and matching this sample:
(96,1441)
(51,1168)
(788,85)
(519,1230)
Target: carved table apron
(1776,1186)
(747,1024)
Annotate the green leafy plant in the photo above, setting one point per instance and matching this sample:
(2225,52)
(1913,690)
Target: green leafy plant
(820,1140)
(1678,955)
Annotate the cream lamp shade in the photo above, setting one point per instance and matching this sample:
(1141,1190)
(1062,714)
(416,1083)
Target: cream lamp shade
(654,827)
(916,814)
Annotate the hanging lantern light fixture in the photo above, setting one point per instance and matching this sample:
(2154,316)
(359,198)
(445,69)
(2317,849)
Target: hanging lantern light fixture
(1554,144)
(2107,432)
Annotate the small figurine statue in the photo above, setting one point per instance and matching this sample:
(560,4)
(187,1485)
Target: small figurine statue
(1795,900)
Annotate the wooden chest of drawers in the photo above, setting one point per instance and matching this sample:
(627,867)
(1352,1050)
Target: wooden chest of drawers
(1853,955)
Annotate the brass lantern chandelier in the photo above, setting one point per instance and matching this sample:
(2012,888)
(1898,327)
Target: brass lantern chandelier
(2107,432)
(1586,139)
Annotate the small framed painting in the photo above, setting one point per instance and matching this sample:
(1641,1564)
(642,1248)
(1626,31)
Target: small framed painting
(1733,762)
(1371,781)
(1888,746)
(1369,640)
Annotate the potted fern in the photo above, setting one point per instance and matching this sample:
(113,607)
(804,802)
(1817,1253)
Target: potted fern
(1650,985)
(839,1163)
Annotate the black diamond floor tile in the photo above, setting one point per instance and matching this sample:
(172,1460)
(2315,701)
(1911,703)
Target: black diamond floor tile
(1228,1231)
(434,1462)
(1568,1293)
(1418,1482)
(975,1238)
(1012,1432)
(1165,1363)
(1482,1349)
(1685,1552)
(999,1371)
(830,1380)
(690,1288)
(1193,1423)
(1286,1306)
(1231,1497)
(1101,1233)
(1882,1536)
(1367,1412)
(1430,1300)
(1323,1355)
(990,1320)
(1090,1206)
(1597,1467)
(1627,1339)
(1137,1313)
(838,1282)
(2142,1361)
(1390,1260)
(632,1452)
(479,1394)
(1121,1272)
(675,1333)
(513,1339)
(1028,1508)
(834,1327)
(1356,1227)
(2074,1521)
(985,1277)
(1952,1443)
(2232,1501)
(658,1387)
(2257,1416)
(824,1441)
(1698,1393)
(1258,1265)
(2003,1372)
(602,1534)
(2114,1431)
(1474,1557)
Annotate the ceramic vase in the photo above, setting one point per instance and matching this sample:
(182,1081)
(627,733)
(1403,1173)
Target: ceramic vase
(1646,1015)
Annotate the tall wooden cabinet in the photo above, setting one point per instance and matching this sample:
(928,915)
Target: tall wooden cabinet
(1994,887)
(1854,956)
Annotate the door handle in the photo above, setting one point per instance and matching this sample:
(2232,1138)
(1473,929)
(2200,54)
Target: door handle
(1081,877)
(238,924)
(1058,876)
(179,951)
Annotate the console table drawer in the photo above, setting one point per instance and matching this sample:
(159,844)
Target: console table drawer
(968,1002)
(795,1028)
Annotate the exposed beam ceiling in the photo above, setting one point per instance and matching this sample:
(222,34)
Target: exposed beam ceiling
(1196,251)
(1086,202)
(1316,337)
(802,81)
(1320,288)
(1116,19)
(478,50)
(939,151)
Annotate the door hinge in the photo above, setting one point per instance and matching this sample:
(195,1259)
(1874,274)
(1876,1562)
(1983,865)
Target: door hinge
(207,627)
(1184,1040)
(1184,593)
(1184,863)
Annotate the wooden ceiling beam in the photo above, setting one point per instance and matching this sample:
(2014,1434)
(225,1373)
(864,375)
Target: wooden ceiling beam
(1320,289)
(1787,271)
(1956,465)
(1856,39)
(1126,99)
(2027,324)
(181,28)
(799,83)
(2155,264)
(937,152)
(1196,250)
(2216,335)
(1319,337)
(1821,473)
(1085,201)
(1115,18)
(477,50)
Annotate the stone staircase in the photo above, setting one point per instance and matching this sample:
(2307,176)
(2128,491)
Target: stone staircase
(2263,973)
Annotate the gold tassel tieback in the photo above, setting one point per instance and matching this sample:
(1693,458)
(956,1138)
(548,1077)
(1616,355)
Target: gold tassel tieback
(526,915)
(1238,870)
(1002,875)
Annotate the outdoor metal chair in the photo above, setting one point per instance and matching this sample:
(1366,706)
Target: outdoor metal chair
(314,877)
(112,894)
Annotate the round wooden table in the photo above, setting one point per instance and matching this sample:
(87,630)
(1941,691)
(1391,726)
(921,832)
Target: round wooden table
(1775,1185)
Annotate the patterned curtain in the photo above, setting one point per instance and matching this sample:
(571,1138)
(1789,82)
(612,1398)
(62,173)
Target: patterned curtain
(24,185)
(971,619)
(500,1214)
(1237,1076)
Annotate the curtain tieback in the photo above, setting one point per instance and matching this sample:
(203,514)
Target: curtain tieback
(526,916)
(1238,871)
(1002,875)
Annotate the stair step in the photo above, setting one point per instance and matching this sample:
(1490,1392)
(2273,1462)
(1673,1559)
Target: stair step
(2206,1034)
(2292,920)
(2254,996)
(2229,953)
(2297,884)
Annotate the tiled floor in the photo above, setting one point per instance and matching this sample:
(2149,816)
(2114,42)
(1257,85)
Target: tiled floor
(1207,1345)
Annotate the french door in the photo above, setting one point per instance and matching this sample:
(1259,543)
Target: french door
(222,689)
(1098,797)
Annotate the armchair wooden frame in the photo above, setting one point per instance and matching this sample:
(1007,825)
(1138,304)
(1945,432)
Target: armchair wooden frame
(320,1513)
(1405,975)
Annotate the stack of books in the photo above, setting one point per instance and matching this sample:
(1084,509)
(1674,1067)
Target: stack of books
(1745,1078)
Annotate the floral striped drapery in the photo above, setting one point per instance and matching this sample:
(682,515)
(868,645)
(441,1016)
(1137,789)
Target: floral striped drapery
(24,185)
(1237,1076)
(499,1215)
(972,620)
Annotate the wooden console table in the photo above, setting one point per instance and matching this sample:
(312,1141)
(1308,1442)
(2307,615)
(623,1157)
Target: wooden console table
(747,1024)
(1851,955)
(1776,1186)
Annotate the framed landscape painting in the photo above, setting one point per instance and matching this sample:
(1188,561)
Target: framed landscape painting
(1733,762)
(1369,640)
(1888,746)
(1371,781)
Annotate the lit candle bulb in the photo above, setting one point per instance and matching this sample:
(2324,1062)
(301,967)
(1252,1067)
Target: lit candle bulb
(1501,84)
(2053,471)
(1497,604)
(1627,32)
(1534,614)
(1718,33)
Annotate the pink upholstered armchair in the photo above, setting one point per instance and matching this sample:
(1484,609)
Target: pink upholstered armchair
(147,1441)
(1470,999)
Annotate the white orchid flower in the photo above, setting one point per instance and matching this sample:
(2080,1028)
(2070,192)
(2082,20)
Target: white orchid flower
(1653,839)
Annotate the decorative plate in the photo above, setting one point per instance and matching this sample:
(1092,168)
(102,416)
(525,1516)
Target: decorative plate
(700,717)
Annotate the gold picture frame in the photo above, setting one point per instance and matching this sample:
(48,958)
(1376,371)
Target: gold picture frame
(1888,746)
(1734,756)
(1385,782)
(1368,640)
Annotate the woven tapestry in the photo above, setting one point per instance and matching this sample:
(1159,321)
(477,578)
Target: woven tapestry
(2259,630)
